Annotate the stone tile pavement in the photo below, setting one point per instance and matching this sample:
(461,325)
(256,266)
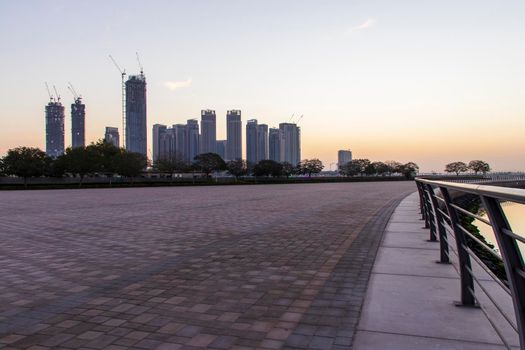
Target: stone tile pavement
(240,267)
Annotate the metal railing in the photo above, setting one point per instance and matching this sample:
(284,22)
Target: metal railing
(442,213)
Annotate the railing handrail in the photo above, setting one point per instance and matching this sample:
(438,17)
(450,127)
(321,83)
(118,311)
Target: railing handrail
(505,193)
(490,197)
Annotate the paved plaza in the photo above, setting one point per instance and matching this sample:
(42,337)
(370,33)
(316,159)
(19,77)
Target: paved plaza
(220,267)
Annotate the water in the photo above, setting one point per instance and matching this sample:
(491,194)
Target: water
(515,215)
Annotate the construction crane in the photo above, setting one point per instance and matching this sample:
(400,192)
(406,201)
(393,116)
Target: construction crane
(140,64)
(299,119)
(73,91)
(289,121)
(56,93)
(123,77)
(51,98)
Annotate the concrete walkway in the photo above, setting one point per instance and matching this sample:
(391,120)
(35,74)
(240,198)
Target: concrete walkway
(409,301)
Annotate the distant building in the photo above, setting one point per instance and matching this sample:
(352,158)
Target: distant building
(136,118)
(54,128)
(179,132)
(233,135)
(275,144)
(112,136)
(291,138)
(221,148)
(192,139)
(262,142)
(208,139)
(158,129)
(166,144)
(343,157)
(78,120)
(251,141)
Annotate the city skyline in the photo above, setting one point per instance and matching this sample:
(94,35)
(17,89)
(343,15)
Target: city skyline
(177,141)
(376,77)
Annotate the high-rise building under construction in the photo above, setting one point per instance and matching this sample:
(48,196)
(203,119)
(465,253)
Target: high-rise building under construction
(291,138)
(54,128)
(136,119)
(78,120)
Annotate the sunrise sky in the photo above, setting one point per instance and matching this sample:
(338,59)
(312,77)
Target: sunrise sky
(424,81)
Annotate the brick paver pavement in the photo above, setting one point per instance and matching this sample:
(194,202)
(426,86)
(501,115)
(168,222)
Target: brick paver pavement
(229,267)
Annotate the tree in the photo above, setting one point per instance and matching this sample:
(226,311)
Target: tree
(311,166)
(409,170)
(370,169)
(355,167)
(479,166)
(106,157)
(2,168)
(456,167)
(55,167)
(25,162)
(268,168)
(208,163)
(351,168)
(287,169)
(81,161)
(130,164)
(171,164)
(381,168)
(237,167)
(393,167)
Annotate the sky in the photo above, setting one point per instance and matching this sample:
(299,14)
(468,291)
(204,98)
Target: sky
(424,81)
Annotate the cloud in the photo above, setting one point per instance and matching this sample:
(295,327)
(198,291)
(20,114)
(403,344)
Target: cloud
(365,25)
(174,85)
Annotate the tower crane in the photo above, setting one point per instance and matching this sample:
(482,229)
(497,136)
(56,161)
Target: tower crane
(301,117)
(289,121)
(123,76)
(140,64)
(56,93)
(73,91)
(51,99)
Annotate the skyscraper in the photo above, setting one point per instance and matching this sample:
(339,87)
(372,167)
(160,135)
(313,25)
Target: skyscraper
(179,131)
(208,139)
(192,139)
(112,136)
(291,134)
(158,129)
(54,128)
(262,142)
(221,148)
(233,135)
(166,144)
(251,141)
(275,142)
(78,119)
(136,119)
(343,157)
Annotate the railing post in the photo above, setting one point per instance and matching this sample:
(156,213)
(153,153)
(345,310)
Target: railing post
(512,260)
(419,186)
(430,214)
(443,241)
(467,282)
(425,206)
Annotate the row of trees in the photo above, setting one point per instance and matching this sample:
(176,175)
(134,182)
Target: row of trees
(477,166)
(97,158)
(211,162)
(366,167)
